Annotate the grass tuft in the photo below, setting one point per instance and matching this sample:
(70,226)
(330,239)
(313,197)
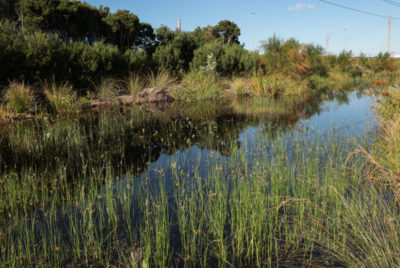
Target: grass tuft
(19,97)
(107,89)
(134,83)
(161,79)
(61,97)
(199,86)
(239,86)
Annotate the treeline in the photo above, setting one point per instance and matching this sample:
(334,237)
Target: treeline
(73,41)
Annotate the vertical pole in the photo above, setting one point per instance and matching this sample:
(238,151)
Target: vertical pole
(389,34)
(252,20)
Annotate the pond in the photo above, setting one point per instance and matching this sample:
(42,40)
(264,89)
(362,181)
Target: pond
(178,185)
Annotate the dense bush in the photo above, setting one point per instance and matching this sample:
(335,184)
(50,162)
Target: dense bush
(230,59)
(88,64)
(198,85)
(40,56)
(175,57)
(292,58)
(383,62)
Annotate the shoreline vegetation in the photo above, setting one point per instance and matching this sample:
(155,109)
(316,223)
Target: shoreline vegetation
(23,101)
(78,188)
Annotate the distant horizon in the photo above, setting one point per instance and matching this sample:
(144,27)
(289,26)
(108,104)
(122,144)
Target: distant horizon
(311,21)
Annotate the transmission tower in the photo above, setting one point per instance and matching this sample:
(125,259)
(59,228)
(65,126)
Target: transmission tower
(389,35)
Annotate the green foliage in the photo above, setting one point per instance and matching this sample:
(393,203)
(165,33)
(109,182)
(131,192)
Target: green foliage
(293,59)
(362,59)
(344,59)
(198,85)
(176,56)
(61,97)
(35,56)
(383,62)
(227,31)
(165,35)
(231,60)
(19,97)
(355,70)
(138,60)
(211,65)
(268,85)
(127,32)
(72,20)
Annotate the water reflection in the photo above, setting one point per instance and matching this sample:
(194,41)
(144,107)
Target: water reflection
(131,139)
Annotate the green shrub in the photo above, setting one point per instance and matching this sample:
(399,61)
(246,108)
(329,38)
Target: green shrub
(175,57)
(138,61)
(319,83)
(90,63)
(198,85)
(275,85)
(344,59)
(230,59)
(19,97)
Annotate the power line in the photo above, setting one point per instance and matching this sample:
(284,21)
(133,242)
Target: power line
(358,10)
(394,3)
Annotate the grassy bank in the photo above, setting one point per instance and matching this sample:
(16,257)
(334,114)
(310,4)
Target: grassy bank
(51,97)
(385,156)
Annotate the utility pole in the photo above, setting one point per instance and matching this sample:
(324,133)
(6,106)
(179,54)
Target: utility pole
(327,44)
(252,20)
(328,37)
(389,35)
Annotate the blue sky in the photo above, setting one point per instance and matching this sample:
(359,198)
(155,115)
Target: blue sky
(309,21)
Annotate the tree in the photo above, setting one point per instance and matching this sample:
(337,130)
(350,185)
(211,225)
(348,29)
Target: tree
(177,54)
(164,35)
(230,59)
(8,9)
(127,32)
(71,20)
(228,31)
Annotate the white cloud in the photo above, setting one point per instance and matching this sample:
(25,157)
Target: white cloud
(301,6)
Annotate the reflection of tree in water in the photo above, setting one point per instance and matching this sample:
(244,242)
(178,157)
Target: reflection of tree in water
(130,140)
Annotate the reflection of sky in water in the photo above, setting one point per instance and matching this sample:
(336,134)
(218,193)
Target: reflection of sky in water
(353,118)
